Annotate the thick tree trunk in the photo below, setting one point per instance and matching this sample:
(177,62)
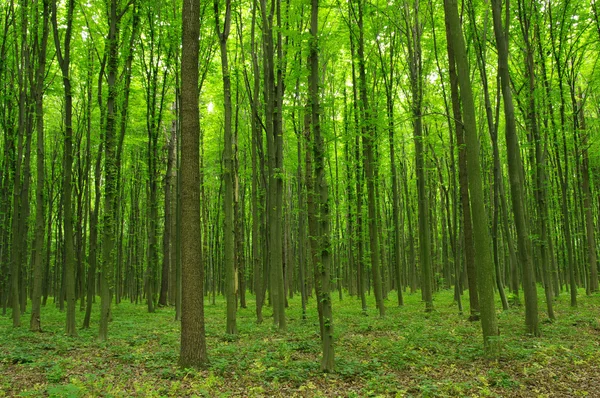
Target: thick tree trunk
(193,341)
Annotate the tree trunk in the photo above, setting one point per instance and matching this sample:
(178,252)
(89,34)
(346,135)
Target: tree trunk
(64,58)
(515,174)
(323,258)
(228,172)
(482,244)
(368,141)
(193,340)
(588,203)
(110,176)
(35,323)
(413,26)
(540,158)
(463,181)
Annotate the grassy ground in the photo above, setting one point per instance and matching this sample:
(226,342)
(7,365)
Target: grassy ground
(409,353)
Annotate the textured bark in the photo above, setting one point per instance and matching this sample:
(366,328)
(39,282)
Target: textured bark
(321,193)
(63,54)
(38,246)
(110,177)
(171,213)
(193,340)
(258,238)
(19,175)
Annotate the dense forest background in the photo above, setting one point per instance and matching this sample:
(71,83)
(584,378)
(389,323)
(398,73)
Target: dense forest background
(170,153)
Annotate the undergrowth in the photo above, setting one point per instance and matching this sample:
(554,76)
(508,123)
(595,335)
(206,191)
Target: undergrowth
(407,353)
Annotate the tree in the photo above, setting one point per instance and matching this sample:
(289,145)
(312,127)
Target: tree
(36,296)
(154,55)
(63,54)
(273,99)
(193,340)
(515,173)
(322,198)
(482,244)
(526,12)
(368,138)
(110,173)
(414,32)
(228,171)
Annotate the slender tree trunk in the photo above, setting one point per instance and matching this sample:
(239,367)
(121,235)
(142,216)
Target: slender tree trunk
(110,176)
(563,175)
(588,203)
(18,219)
(368,141)
(540,156)
(64,58)
(273,96)
(515,173)
(482,244)
(389,95)
(35,323)
(413,26)
(360,261)
(95,212)
(463,178)
(228,172)
(324,258)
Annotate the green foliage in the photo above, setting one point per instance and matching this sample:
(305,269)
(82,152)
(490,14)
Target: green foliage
(55,374)
(64,391)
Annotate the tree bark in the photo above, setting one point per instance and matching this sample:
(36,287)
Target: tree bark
(482,244)
(193,340)
(228,172)
(36,299)
(368,141)
(64,58)
(323,259)
(515,174)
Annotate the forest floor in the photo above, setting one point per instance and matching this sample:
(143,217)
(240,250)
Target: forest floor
(408,353)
